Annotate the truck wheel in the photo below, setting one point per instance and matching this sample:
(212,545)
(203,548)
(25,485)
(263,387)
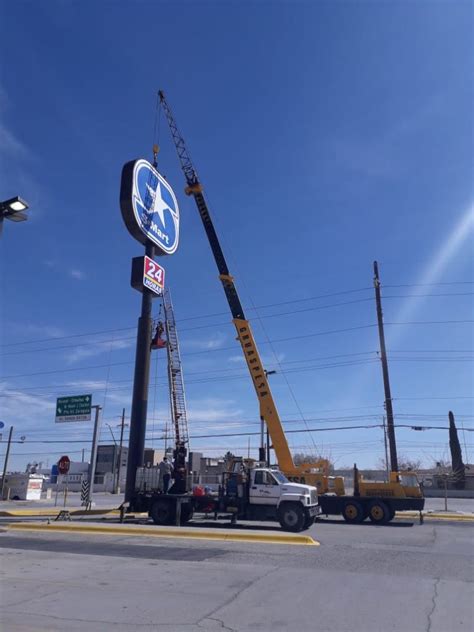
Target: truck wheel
(292,517)
(308,521)
(353,512)
(162,512)
(379,513)
(186,513)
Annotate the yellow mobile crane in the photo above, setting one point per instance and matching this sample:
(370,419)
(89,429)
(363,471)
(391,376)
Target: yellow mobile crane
(370,499)
(315,474)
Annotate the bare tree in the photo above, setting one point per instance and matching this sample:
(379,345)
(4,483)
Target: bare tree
(302,457)
(404,463)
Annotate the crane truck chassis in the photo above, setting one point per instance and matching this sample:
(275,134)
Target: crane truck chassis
(376,501)
(255,494)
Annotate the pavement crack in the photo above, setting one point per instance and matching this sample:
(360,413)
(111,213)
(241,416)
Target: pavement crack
(222,624)
(233,598)
(433,602)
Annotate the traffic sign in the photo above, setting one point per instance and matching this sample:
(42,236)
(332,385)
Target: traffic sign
(64,464)
(84,490)
(73,408)
(153,276)
(2,425)
(149,206)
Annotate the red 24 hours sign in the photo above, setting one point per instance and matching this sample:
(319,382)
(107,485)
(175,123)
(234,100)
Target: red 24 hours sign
(153,276)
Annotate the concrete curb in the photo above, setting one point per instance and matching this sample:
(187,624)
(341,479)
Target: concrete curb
(436,516)
(160,532)
(17,513)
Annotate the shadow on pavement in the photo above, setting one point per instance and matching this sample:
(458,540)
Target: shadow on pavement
(365,524)
(149,551)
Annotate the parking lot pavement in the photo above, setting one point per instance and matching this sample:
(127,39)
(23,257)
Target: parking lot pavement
(363,578)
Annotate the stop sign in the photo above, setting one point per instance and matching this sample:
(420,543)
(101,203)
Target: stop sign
(63,464)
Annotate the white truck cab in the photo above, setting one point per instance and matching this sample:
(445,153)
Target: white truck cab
(296,505)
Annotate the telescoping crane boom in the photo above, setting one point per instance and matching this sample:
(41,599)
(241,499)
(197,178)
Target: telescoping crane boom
(378,501)
(268,410)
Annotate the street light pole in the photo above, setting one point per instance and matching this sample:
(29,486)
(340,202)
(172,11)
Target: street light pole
(114,461)
(14,210)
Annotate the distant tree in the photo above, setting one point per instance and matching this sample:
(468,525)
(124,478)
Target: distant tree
(459,470)
(443,464)
(404,463)
(302,457)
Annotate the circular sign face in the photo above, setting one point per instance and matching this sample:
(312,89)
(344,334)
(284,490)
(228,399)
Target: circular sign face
(149,206)
(63,464)
(2,425)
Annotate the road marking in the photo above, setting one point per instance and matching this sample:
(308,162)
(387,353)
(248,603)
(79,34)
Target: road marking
(168,532)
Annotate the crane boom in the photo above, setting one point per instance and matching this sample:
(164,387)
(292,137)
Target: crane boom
(268,410)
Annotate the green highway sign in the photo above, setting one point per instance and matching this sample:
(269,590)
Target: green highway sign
(73,408)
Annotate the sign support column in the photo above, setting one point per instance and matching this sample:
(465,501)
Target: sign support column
(140,388)
(151,214)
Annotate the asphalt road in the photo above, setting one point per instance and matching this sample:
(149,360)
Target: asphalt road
(362,578)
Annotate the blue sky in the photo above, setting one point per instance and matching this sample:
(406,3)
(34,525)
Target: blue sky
(326,134)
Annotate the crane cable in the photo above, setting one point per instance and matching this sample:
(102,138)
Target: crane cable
(277,361)
(156,131)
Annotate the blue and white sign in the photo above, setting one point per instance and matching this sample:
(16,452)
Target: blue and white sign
(149,206)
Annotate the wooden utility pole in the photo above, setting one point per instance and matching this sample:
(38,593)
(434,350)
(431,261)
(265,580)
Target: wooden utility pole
(117,488)
(386,381)
(6,461)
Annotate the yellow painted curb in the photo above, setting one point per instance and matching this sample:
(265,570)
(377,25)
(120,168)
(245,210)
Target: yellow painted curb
(17,513)
(160,532)
(436,516)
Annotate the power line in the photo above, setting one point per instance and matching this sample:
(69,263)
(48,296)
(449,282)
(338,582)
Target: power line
(430,284)
(215,325)
(311,298)
(245,434)
(269,305)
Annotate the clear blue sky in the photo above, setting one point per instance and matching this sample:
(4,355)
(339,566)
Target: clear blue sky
(326,134)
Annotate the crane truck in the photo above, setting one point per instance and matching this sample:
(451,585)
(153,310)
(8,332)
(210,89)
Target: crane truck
(377,501)
(251,492)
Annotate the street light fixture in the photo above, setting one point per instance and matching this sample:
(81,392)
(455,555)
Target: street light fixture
(14,210)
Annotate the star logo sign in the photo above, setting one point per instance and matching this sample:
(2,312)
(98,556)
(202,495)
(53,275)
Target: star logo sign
(155,207)
(158,204)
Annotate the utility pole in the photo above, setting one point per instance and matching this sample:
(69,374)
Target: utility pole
(387,465)
(93,462)
(117,490)
(261,450)
(386,381)
(6,460)
(268,448)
